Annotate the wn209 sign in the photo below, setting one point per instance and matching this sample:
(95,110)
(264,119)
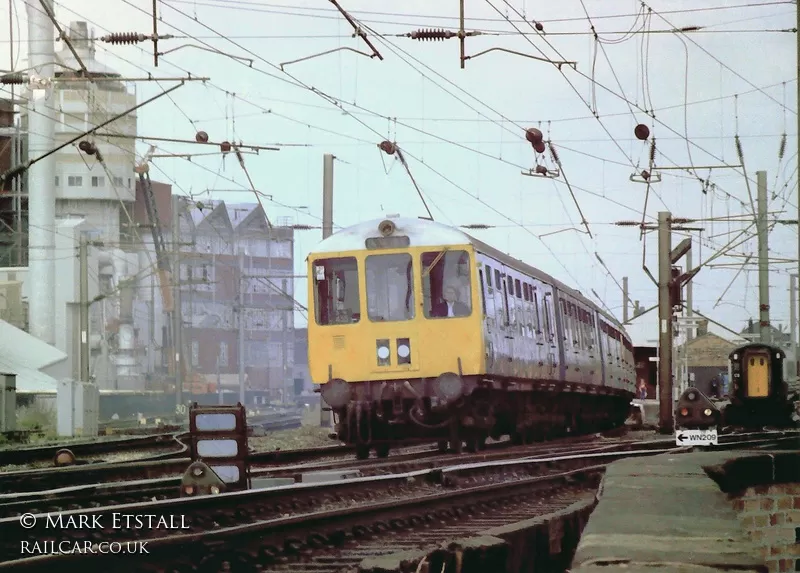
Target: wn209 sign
(696,437)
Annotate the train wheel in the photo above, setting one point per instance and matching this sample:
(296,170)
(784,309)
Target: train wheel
(457,446)
(382,450)
(362,452)
(442,446)
(476,443)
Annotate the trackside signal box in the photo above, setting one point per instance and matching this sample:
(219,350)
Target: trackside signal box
(218,438)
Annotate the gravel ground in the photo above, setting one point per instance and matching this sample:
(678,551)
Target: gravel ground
(303,437)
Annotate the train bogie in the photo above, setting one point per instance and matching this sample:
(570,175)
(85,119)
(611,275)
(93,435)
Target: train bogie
(420,332)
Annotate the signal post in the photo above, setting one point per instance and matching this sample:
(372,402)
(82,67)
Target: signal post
(671,281)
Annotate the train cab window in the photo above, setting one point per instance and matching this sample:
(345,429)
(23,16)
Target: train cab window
(336,296)
(390,288)
(446,285)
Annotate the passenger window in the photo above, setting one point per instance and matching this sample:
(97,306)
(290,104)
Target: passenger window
(446,286)
(390,288)
(336,296)
(489,277)
(497,283)
(536,312)
(517,288)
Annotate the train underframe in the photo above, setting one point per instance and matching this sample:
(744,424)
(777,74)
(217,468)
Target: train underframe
(756,413)
(381,414)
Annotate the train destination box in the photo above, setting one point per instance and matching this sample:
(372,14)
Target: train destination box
(696,437)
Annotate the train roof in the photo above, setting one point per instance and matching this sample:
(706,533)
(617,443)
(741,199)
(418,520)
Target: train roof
(422,232)
(757,346)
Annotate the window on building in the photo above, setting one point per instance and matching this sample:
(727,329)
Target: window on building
(74,181)
(223,354)
(98,181)
(118,182)
(56,180)
(280,249)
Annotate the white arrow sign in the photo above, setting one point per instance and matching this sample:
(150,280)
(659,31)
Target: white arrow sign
(696,437)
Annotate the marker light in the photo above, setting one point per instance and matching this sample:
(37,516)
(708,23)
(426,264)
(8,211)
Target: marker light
(707,411)
(684,411)
(214,490)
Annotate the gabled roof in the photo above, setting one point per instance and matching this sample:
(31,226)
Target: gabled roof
(256,219)
(24,355)
(212,217)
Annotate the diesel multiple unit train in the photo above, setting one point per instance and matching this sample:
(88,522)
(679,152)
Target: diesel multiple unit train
(421,332)
(759,395)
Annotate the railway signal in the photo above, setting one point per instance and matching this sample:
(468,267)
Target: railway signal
(218,438)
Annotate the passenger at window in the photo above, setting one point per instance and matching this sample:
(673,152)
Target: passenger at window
(450,306)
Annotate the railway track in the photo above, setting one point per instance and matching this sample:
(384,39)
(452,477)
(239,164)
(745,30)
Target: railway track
(311,527)
(281,513)
(21,456)
(104,494)
(24,481)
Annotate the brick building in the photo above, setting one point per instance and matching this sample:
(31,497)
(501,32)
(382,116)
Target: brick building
(229,243)
(220,245)
(706,357)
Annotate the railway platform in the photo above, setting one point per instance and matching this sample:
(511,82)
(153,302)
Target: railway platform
(667,514)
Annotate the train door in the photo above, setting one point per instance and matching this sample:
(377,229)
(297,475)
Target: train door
(511,319)
(493,316)
(758,373)
(555,354)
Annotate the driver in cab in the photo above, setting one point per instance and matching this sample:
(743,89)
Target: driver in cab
(450,306)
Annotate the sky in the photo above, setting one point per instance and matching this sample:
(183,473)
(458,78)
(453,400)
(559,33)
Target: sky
(462,131)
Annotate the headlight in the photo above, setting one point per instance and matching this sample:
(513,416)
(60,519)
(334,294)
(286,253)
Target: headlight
(684,411)
(707,411)
(403,351)
(383,352)
(188,490)
(336,393)
(214,490)
(448,386)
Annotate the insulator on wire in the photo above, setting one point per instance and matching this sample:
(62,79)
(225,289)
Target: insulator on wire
(646,175)
(539,147)
(739,151)
(12,79)
(225,146)
(554,153)
(201,137)
(533,135)
(387,147)
(87,147)
(652,150)
(541,170)
(641,131)
(432,34)
(124,38)
(782,148)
